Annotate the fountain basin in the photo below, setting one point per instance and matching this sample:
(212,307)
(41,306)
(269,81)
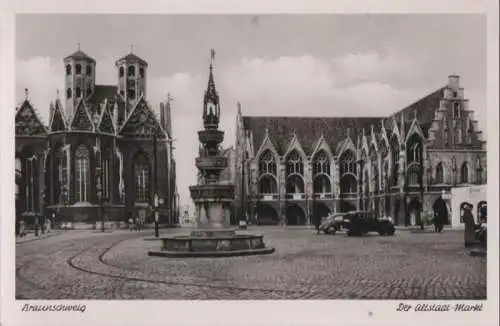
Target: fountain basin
(218,245)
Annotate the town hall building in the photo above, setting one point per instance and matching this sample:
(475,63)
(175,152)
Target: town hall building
(290,169)
(103,152)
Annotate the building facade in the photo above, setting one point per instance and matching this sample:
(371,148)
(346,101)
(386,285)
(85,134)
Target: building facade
(292,168)
(104,151)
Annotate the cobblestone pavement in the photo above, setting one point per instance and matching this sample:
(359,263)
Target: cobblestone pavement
(86,265)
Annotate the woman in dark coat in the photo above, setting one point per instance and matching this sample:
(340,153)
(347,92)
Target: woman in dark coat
(470,226)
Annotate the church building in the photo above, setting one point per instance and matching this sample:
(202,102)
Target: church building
(104,151)
(293,168)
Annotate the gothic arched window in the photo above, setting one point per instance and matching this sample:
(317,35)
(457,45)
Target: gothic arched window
(29,180)
(121,71)
(322,184)
(60,180)
(413,174)
(439,173)
(464,173)
(267,163)
(414,150)
(295,184)
(321,164)
(294,173)
(78,92)
(394,160)
(347,163)
(106,175)
(141,72)
(348,184)
(294,164)
(267,185)
(78,69)
(141,173)
(321,173)
(479,171)
(68,69)
(82,174)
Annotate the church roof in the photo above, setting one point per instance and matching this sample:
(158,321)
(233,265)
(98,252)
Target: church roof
(102,92)
(79,55)
(423,108)
(132,57)
(307,129)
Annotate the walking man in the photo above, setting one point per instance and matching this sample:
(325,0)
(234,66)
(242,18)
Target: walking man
(440,214)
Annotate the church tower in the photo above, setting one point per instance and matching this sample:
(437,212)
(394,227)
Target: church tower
(131,79)
(79,71)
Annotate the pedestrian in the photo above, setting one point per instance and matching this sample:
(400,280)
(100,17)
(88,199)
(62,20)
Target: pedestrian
(130,224)
(470,225)
(22,229)
(440,214)
(317,222)
(47,225)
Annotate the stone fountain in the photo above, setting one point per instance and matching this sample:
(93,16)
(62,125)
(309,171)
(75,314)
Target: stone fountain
(213,235)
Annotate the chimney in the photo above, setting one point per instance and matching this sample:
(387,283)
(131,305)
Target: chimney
(453,82)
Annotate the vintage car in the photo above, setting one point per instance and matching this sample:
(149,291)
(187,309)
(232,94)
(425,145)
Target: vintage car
(359,223)
(332,223)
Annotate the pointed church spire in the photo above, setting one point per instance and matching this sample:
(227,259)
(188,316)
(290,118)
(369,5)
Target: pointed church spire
(211,108)
(26,94)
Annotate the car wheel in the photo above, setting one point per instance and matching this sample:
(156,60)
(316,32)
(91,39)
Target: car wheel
(390,232)
(380,232)
(350,233)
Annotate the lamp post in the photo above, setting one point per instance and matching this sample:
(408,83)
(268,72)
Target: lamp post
(157,231)
(156,198)
(42,203)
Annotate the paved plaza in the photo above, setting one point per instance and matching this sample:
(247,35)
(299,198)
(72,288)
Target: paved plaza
(91,265)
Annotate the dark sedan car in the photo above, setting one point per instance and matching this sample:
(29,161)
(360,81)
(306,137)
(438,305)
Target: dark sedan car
(361,222)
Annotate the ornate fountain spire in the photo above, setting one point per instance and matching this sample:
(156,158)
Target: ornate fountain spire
(211,108)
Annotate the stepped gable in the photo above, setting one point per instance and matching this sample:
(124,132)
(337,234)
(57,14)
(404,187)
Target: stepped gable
(307,129)
(27,121)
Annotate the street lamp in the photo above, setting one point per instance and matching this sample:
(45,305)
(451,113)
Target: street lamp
(156,202)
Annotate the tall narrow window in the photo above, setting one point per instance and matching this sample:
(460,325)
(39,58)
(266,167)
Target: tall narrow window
(68,69)
(141,72)
(105,177)
(60,177)
(29,183)
(456,110)
(122,71)
(89,70)
(82,174)
(131,94)
(78,92)
(141,171)
(464,173)
(439,173)
(68,93)
(78,69)
(131,71)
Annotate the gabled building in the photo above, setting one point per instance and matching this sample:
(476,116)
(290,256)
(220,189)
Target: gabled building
(103,150)
(292,168)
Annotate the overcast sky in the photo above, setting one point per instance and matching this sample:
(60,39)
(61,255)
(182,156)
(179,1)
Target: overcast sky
(316,65)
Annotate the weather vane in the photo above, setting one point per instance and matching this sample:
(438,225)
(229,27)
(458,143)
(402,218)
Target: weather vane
(212,56)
